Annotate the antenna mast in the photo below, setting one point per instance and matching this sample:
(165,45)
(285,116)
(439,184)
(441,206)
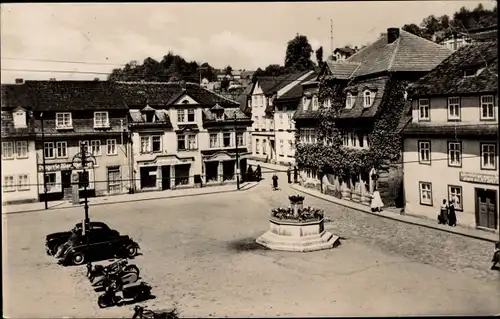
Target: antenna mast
(331,36)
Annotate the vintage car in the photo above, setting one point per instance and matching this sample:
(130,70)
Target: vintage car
(102,242)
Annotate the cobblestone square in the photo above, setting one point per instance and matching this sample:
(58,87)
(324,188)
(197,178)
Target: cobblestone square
(198,252)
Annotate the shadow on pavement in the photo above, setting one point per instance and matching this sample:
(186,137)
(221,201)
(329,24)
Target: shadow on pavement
(245,244)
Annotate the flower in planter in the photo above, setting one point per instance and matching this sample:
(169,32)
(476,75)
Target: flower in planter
(296,198)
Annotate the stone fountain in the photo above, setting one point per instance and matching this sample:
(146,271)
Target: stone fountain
(296,228)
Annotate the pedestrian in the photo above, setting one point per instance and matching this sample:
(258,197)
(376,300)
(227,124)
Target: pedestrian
(496,256)
(275,182)
(258,173)
(376,204)
(289,174)
(443,213)
(452,217)
(250,174)
(295,174)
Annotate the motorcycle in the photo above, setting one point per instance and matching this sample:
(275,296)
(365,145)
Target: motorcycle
(144,313)
(97,274)
(117,293)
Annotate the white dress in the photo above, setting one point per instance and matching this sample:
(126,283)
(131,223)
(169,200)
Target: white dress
(376,200)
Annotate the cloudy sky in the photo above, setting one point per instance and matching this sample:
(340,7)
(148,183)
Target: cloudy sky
(243,35)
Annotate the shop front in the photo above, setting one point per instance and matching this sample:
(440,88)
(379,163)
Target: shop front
(58,180)
(221,167)
(165,172)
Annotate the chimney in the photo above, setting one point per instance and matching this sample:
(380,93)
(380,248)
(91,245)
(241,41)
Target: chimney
(392,35)
(19,81)
(52,79)
(96,79)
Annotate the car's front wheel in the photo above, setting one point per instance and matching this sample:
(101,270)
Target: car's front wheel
(78,259)
(131,251)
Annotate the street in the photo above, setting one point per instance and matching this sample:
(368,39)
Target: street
(198,253)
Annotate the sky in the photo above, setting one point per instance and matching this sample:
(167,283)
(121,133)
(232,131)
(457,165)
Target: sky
(244,35)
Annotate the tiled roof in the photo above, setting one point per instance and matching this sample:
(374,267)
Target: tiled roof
(73,95)
(81,127)
(407,53)
(448,77)
(451,129)
(163,94)
(272,84)
(341,70)
(8,129)
(405,117)
(346,50)
(358,110)
(486,35)
(243,99)
(137,116)
(296,91)
(13,95)
(302,114)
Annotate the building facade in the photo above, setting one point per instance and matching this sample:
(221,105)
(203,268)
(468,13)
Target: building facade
(451,145)
(368,86)
(179,135)
(19,166)
(68,114)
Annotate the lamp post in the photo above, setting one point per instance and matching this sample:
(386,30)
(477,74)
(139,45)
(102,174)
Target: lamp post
(43,164)
(86,180)
(237,154)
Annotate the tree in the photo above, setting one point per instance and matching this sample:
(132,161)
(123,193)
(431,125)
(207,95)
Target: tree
(224,84)
(298,54)
(414,29)
(228,70)
(319,56)
(207,72)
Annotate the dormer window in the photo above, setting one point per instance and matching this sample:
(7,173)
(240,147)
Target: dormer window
(64,121)
(474,71)
(368,97)
(349,101)
(101,119)
(19,118)
(315,103)
(470,72)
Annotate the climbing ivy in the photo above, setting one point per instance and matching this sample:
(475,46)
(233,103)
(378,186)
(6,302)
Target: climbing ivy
(329,156)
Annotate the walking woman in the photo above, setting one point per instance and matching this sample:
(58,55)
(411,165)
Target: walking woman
(443,213)
(452,217)
(376,204)
(275,182)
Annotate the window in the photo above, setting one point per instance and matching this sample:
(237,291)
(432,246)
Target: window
(50,181)
(61,149)
(95,147)
(353,139)
(145,144)
(85,146)
(349,101)
(290,147)
(367,98)
(315,102)
(111,147)
(425,193)
(360,140)
(226,139)
(101,119)
(7,150)
(487,107)
(455,194)
(190,117)
(257,146)
(488,153)
(424,152)
(264,147)
(49,150)
(345,138)
(454,154)
(191,141)
(327,103)
(469,72)
(453,108)
(282,147)
(181,142)
(281,118)
(240,139)
(423,109)
(9,184)
(214,140)
(22,149)
(156,143)
(256,121)
(23,182)
(63,120)
(181,116)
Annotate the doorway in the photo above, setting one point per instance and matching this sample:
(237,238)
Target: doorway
(228,171)
(486,208)
(114,180)
(66,179)
(212,171)
(148,177)
(165,177)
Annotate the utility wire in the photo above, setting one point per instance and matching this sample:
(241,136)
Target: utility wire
(65,61)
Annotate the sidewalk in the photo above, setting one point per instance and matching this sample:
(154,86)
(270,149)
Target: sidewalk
(274,167)
(395,215)
(124,198)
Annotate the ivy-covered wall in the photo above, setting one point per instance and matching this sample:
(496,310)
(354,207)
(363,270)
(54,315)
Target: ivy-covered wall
(329,156)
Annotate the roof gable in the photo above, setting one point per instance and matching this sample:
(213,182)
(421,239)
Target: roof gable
(184,99)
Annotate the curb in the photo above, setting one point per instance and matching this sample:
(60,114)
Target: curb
(451,230)
(56,207)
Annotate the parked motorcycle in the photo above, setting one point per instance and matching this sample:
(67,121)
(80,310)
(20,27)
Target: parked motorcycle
(117,293)
(97,274)
(144,313)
